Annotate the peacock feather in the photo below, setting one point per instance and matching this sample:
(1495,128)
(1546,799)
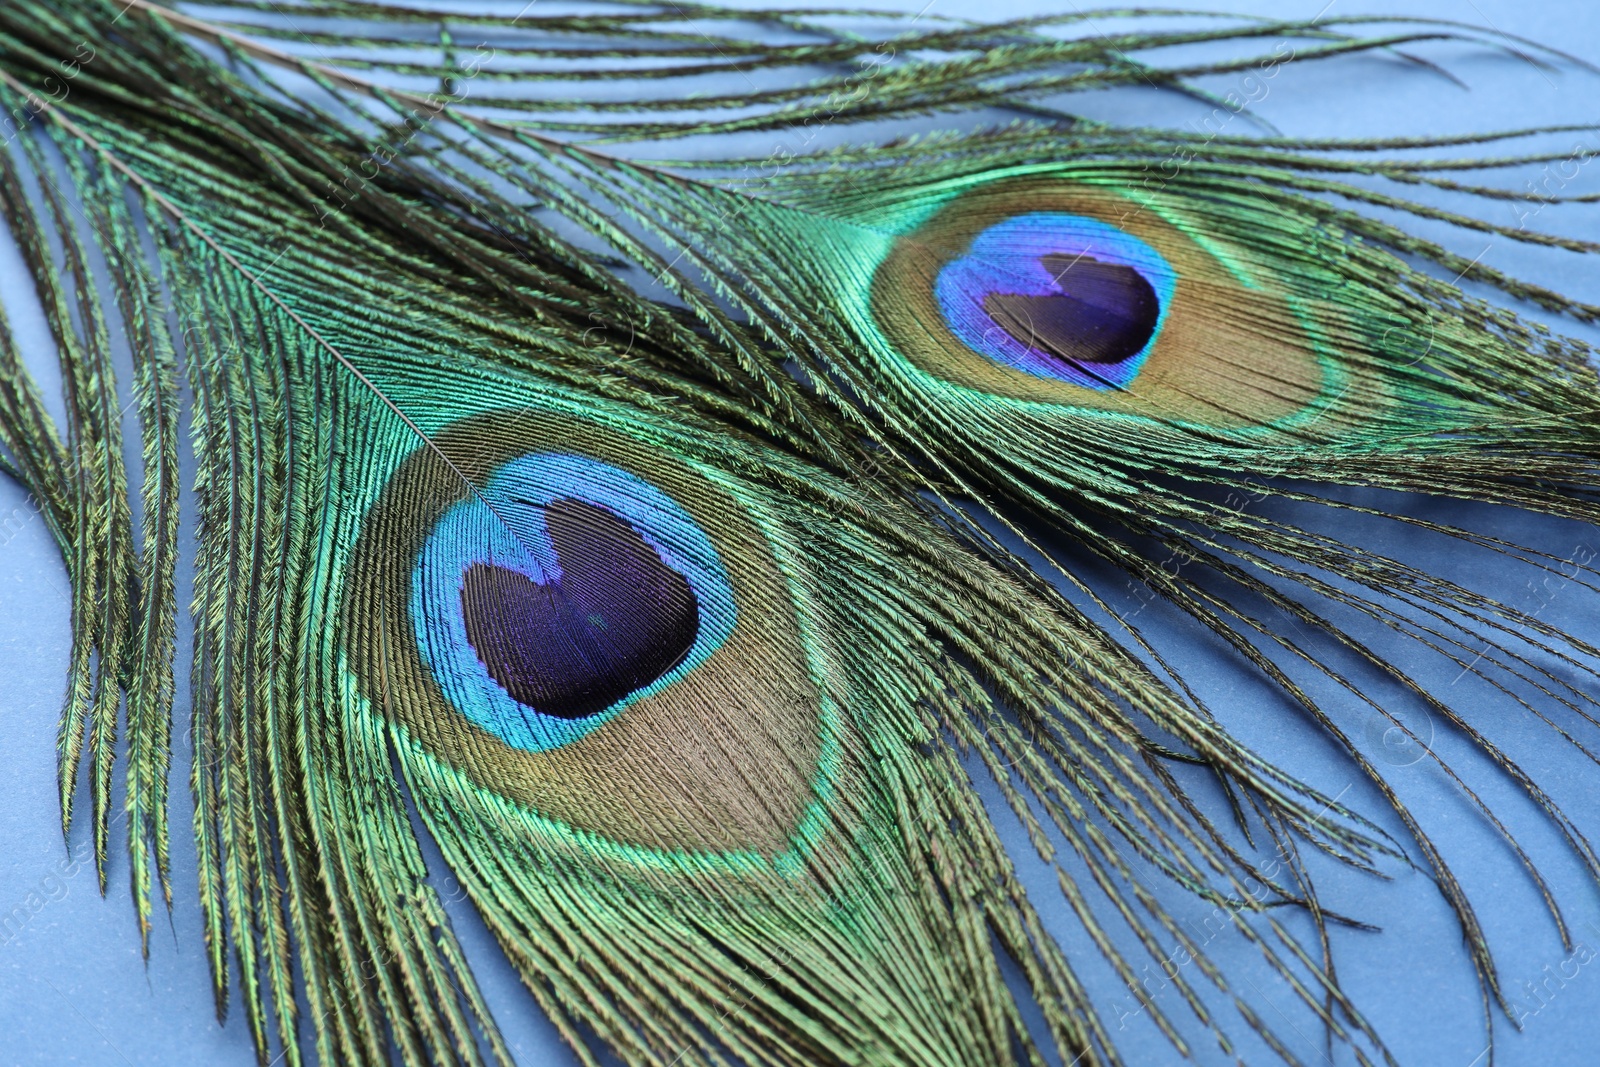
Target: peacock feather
(686,558)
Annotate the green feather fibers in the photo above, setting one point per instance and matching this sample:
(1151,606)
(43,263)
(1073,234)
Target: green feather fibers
(339,310)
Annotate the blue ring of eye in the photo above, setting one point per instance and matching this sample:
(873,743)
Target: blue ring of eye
(516,537)
(1012,261)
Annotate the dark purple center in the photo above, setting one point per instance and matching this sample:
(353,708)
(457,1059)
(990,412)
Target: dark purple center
(618,619)
(1105,312)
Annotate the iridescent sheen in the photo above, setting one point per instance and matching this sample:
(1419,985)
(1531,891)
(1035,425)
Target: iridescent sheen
(1059,296)
(582,589)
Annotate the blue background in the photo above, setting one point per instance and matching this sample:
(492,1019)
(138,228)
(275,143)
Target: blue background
(75,989)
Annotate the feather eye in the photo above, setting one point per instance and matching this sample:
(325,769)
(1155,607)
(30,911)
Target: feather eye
(533,582)
(613,584)
(1071,294)
(1056,296)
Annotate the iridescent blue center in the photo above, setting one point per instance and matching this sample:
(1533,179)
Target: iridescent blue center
(1059,296)
(571,590)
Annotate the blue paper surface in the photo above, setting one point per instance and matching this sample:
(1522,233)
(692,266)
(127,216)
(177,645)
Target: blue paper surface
(74,989)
